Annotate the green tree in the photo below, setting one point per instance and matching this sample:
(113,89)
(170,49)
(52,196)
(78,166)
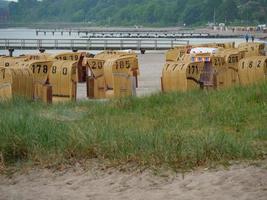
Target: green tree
(144,12)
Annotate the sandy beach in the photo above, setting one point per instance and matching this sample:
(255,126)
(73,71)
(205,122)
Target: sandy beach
(241,182)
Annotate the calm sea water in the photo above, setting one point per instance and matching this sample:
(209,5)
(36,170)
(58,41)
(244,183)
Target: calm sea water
(24,33)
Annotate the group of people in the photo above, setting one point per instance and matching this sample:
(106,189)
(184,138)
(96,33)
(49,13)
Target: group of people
(247,37)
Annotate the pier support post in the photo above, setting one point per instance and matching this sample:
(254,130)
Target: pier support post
(143,51)
(11,52)
(41,50)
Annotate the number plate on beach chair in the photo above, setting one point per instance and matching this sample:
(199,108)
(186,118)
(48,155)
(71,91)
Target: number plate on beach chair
(63,78)
(252,70)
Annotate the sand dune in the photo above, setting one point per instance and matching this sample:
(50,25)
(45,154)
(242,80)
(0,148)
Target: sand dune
(238,182)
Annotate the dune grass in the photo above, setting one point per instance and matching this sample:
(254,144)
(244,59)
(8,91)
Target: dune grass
(178,130)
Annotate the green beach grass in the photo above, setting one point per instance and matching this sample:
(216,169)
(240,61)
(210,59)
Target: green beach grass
(178,130)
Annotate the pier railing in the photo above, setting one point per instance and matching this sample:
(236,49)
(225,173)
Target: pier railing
(92,44)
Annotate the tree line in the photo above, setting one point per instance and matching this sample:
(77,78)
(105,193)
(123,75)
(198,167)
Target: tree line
(139,12)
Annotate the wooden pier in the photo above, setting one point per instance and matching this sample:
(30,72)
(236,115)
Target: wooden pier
(91,44)
(98,32)
(123,33)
